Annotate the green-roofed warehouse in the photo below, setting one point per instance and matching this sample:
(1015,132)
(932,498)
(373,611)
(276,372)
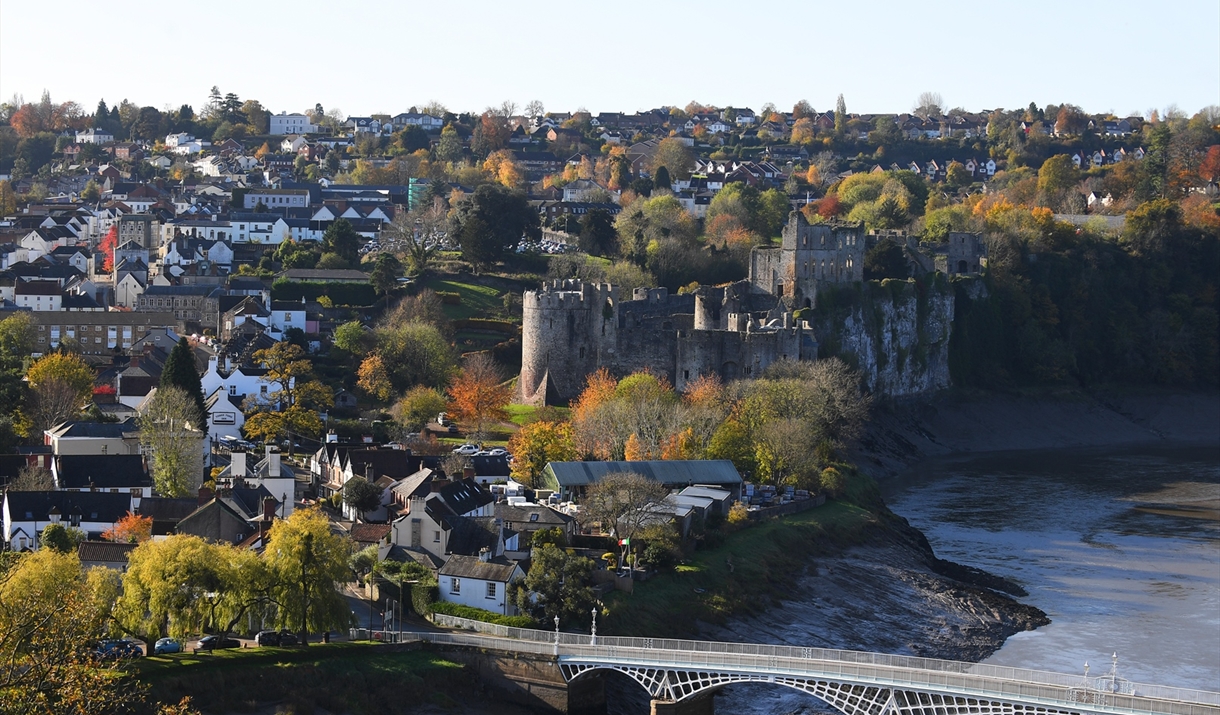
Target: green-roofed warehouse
(570,479)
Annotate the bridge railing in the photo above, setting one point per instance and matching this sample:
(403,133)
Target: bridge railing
(742,654)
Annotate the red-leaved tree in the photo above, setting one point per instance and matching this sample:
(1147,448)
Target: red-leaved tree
(106,248)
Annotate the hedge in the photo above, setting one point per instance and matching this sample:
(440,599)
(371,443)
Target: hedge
(478,614)
(449,297)
(423,596)
(339,293)
(495,326)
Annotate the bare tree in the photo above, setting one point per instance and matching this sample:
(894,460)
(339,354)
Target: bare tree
(32,478)
(929,105)
(623,503)
(417,235)
(534,108)
(174,445)
(54,401)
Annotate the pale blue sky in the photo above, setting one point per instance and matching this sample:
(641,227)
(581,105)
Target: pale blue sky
(364,57)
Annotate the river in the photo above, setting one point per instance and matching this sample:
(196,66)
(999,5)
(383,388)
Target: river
(1120,548)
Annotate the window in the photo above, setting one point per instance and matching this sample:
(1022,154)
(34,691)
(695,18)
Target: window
(455,585)
(436,536)
(491,590)
(232,389)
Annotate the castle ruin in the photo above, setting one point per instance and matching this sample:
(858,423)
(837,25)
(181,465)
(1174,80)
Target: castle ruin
(572,328)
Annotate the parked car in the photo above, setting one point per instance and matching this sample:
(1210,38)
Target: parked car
(443,419)
(497,452)
(117,649)
(267,638)
(216,643)
(467,450)
(288,638)
(167,645)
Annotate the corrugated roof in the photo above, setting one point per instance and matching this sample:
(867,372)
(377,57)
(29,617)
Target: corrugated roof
(675,472)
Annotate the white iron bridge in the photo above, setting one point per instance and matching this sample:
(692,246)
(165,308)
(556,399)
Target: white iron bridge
(853,682)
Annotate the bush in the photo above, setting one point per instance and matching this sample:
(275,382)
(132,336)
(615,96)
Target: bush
(337,293)
(478,614)
(739,515)
(423,595)
(450,298)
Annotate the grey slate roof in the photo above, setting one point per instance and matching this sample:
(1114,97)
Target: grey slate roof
(675,472)
(498,569)
(104,471)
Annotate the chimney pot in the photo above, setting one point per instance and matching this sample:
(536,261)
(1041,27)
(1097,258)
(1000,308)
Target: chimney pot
(467,472)
(268,508)
(205,495)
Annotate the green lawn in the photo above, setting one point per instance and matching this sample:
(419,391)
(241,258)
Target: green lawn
(478,301)
(752,569)
(339,677)
(520,414)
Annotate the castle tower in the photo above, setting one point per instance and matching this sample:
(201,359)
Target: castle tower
(565,327)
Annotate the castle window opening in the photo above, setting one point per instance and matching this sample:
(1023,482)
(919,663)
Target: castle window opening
(582,352)
(686,374)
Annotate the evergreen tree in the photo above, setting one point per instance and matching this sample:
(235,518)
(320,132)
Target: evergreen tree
(180,372)
(662,180)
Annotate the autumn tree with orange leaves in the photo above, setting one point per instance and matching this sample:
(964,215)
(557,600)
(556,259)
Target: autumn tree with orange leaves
(478,394)
(537,444)
(106,247)
(131,529)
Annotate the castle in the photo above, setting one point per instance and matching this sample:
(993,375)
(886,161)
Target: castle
(572,328)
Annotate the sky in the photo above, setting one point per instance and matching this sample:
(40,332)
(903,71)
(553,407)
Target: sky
(362,57)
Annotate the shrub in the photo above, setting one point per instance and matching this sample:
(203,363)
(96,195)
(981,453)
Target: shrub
(833,482)
(450,298)
(423,595)
(739,514)
(478,614)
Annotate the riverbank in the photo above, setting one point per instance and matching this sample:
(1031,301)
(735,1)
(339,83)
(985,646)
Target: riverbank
(902,433)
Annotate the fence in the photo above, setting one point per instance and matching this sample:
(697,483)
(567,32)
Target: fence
(890,670)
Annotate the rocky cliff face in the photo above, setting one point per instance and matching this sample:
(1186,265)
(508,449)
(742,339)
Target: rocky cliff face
(895,332)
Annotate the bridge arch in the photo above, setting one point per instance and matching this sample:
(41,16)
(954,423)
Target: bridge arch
(848,698)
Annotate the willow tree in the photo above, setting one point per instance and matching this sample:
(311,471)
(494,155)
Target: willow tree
(309,562)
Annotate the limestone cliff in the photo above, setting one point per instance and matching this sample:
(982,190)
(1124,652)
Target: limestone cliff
(895,332)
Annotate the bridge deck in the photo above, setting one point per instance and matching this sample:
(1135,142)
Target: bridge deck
(760,662)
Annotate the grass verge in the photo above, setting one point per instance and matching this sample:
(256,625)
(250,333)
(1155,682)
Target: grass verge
(357,678)
(478,301)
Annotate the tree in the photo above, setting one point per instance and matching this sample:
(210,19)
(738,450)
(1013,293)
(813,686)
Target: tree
(8,199)
(478,394)
(418,407)
(131,529)
(597,234)
(929,106)
(623,502)
(1209,168)
(180,372)
(32,478)
(885,260)
(537,444)
(61,539)
(661,180)
(384,275)
(557,585)
(61,384)
(449,148)
(91,192)
(341,239)
(49,609)
(373,378)
(840,115)
(673,154)
(173,444)
(956,175)
(491,222)
(415,353)
(309,561)
(419,233)
(361,494)
(1057,175)
(353,338)
(293,408)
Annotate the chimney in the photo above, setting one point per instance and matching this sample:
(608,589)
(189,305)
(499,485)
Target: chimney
(273,462)
(268,508)
(237,464)
(205,495)
(484,554)
(369,473)
(467,472)
(439,483)
(332,438)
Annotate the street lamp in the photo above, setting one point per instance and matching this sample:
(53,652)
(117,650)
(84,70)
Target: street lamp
(556,635)
(593,638)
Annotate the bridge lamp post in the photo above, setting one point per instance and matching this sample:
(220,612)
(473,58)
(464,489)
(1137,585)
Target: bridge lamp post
(556,635)
(593,638)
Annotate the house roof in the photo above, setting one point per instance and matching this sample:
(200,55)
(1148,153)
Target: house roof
(416,484)
(104,551)
(394,463)
(103,507)
(498,569)
(369,533)
(530,514)
(469,534)
(212,519)
(104,471)
(97,430)
(673,472)
(465,495)
(167,509)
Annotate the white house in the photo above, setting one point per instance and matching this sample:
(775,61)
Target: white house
(238,382)
(26,514)
(270,472)
(39,295)
(293,143)
(424,121)
(94,136)
(480,582)
(225,418)
(284,123)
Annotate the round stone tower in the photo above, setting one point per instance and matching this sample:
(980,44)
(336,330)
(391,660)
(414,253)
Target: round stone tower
(562,333)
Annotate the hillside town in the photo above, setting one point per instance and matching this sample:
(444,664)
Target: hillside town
(516,367)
